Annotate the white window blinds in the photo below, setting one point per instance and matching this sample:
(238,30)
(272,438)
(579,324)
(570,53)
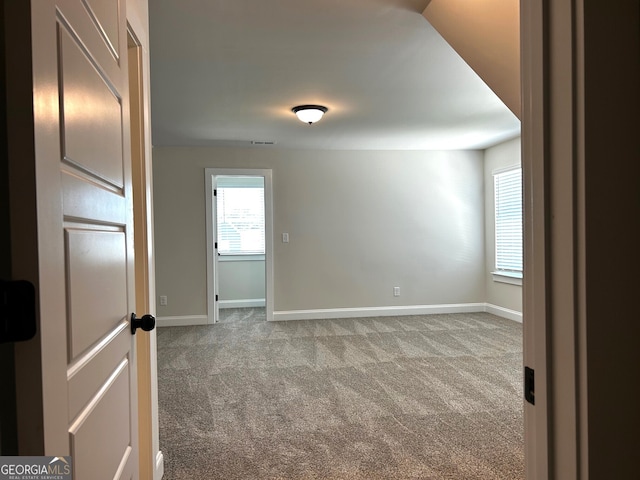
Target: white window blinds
(508,211)
(240,216)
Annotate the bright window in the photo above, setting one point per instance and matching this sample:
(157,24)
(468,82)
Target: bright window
(240,215)
(508,210)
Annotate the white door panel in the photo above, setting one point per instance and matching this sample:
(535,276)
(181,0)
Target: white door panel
(91,371)
(107,19)
(100,437)
(91,115)
(97,285)
(97,23)
(77,187)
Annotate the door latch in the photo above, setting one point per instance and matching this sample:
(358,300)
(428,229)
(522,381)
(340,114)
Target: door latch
(17,311)
(529,385)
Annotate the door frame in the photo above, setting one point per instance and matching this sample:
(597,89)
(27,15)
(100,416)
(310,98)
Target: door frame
(535,215)
(151,458)
(212,260)
(579,108)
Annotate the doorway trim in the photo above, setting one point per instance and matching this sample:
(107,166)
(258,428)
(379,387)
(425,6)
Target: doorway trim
(534,135)
(212,274)
(151,458)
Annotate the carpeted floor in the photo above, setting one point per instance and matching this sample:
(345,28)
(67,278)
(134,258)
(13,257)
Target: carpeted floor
(416,397)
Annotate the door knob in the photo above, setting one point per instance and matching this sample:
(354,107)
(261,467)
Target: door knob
(146,323)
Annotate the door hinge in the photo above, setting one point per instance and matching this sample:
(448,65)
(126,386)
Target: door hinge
(216,298)
(216,245)
(17,311)
(529,385)
(215,192)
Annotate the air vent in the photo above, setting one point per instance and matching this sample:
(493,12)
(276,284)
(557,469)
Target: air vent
(263,142)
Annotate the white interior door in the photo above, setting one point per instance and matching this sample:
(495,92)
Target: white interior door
(85,403)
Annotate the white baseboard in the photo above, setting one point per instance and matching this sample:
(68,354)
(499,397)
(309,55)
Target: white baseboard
(504,312)
(248,303)
(182,321)
(329,313)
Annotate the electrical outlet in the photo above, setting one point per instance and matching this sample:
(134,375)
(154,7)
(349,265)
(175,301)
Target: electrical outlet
(163,300)
(396,291)
(285,238)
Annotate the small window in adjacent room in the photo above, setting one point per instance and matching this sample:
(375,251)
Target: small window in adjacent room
(508,214)
(240,215)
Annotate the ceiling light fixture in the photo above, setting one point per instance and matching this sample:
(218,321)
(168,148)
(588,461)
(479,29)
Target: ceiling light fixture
(309,113)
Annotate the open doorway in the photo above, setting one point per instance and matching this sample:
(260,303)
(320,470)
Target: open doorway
(239,240)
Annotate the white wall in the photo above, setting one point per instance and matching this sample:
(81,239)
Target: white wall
(240,280)
(499,294)
(360,223)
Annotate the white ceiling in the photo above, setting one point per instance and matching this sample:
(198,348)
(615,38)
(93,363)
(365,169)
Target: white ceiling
(226,72)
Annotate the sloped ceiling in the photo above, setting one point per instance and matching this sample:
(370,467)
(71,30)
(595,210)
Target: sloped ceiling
(486,33)
(228,72)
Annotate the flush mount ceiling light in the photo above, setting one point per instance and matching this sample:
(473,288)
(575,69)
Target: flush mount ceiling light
(309,113)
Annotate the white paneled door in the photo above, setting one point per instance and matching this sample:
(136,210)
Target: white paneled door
(84,222)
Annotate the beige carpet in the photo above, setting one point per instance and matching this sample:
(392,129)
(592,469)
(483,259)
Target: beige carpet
(416,397)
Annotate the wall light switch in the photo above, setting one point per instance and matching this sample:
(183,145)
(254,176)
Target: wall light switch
(163,300)
(285,238)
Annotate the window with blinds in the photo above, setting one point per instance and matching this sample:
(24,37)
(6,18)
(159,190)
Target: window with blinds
(508,211)
(240,215)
